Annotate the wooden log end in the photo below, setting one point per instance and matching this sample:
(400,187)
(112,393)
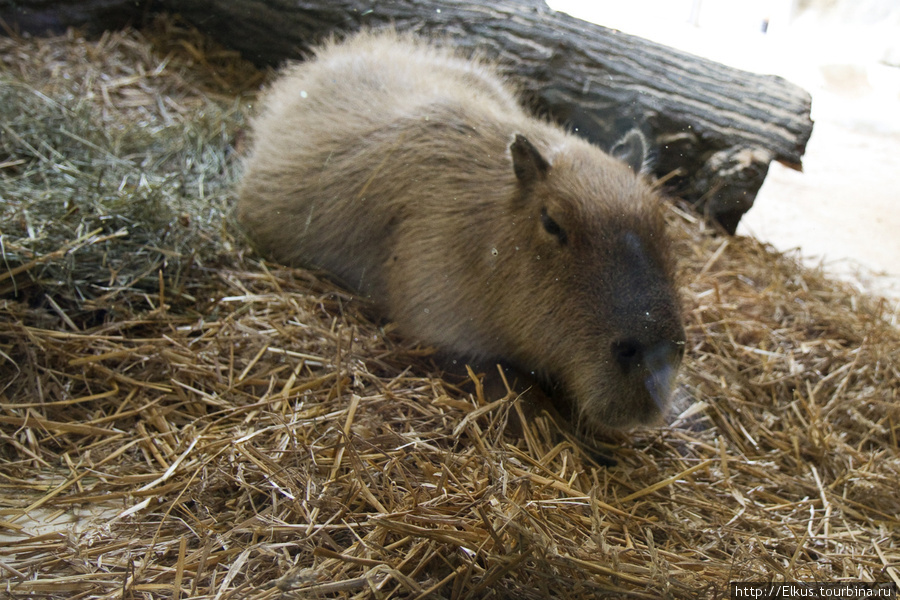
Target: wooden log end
(726,185)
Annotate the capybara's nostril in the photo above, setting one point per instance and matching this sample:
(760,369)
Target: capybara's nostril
(627,353)
(631,353)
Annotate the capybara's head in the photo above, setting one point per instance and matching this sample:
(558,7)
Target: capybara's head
(603,315)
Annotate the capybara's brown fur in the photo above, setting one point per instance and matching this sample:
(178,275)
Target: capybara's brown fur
(415,178)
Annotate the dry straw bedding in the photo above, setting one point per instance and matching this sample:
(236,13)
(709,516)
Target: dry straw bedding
(182,420)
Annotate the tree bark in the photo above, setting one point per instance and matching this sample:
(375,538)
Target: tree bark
(41,17)
(715,129)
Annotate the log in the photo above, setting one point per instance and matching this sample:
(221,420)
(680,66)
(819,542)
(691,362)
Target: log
(715,129)
(42,17)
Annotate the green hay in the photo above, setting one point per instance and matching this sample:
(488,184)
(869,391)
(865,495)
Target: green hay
(95,151)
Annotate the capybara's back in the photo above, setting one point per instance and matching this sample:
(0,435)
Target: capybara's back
(414,177)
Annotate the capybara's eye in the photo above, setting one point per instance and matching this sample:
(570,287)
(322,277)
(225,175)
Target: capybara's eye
(552,227)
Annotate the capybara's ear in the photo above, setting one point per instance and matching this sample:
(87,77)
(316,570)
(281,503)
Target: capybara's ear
(632,150)
(528,163)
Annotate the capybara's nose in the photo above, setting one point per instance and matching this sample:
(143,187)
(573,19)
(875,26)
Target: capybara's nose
(631,353)
(627,353)
(651,366)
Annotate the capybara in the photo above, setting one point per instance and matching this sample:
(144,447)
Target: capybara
(415,178)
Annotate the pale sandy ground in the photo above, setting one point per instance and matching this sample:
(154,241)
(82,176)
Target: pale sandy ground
(845,207)
(843,211)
